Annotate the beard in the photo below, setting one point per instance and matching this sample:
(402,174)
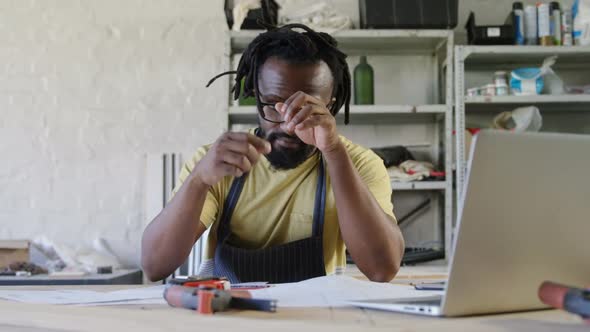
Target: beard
(284,158)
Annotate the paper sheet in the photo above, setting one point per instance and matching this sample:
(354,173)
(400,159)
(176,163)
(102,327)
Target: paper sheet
(158,301)
(143,295)
(335,291)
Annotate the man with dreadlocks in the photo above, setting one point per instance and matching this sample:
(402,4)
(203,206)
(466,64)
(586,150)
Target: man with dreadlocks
(286,200)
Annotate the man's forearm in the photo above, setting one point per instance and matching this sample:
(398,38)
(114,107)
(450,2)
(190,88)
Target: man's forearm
(373,240)
(168,239)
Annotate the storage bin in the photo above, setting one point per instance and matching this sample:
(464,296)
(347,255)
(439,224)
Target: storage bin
(408,14)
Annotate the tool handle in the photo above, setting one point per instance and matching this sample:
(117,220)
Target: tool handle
(253,304)
(209,300)
(181,297)
(574,300)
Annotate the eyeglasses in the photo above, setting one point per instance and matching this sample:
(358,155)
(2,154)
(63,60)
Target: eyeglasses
(269,112)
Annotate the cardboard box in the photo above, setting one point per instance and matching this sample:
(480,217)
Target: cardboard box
(13,251)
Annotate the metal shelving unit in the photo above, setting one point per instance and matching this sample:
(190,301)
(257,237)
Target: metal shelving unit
(501,57)
(550,103)
(355,42)
(562,100)
(518,55)
(438,44)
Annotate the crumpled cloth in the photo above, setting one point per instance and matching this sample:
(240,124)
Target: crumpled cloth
(419,171)
(240,11)
(320,16)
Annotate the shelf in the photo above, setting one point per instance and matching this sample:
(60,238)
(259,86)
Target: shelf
(551,103)
(361,114)
(368,41)
(430,124)
(418,185)
(478,60)
(519,55)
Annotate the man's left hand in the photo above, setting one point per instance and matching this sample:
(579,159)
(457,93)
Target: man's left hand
(309,118)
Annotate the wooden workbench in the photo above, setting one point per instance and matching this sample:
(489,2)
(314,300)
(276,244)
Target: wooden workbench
(32,318)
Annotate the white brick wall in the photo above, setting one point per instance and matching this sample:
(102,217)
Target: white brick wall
(87,88)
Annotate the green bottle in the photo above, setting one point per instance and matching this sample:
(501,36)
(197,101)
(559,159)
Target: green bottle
(364,92)
(246,101)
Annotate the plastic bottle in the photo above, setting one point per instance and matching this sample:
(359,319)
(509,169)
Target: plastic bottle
(567,38)
(517,10)
(530,25)
(555,23)
(543,16)
(364,92)
(501,83)
(581,17)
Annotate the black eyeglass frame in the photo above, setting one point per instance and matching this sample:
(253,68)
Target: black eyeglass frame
(260,105)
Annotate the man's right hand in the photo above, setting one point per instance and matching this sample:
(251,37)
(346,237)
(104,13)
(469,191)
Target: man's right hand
(233,154)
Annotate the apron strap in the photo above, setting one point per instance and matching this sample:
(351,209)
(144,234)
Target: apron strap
(320,202)
(223,230)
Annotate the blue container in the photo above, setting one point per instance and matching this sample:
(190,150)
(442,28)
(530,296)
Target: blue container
(526,81)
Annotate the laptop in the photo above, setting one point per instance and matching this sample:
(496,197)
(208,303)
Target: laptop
(524,218)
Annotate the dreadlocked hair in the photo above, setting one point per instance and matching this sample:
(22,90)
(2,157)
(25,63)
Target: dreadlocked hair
(287,44)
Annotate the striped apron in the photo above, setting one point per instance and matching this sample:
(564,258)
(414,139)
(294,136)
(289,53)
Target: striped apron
(290,262)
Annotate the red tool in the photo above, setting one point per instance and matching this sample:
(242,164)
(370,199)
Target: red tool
(216,283)
(574,300)
(211,295)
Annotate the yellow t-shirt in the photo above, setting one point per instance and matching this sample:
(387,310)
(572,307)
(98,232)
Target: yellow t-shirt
(276,206)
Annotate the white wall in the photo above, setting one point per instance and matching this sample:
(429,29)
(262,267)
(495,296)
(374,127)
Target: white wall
(87,88)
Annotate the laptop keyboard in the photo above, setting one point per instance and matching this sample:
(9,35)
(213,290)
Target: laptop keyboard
(420,255)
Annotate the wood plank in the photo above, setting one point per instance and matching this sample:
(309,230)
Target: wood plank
(27,317)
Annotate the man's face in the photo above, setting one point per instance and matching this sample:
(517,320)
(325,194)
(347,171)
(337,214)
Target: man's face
(277,81)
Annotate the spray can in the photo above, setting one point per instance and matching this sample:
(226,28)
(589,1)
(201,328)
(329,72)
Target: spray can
(530,25)
(581,19)
(555,22)
(518,12)
(566,27)
(545,38)
(576,30)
